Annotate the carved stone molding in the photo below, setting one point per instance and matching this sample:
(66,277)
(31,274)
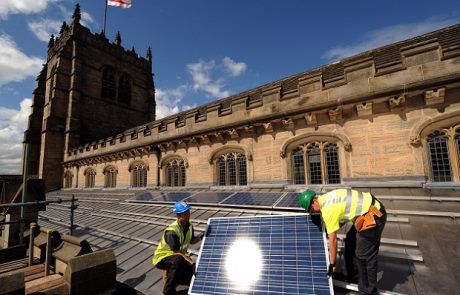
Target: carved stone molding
(435,96)
(234,134)
(206,139)
(415,140)
(364,109)
(288,124)
(268,127)
(250,130)
(310,118)
(397,102)
(335,115)
(219,136)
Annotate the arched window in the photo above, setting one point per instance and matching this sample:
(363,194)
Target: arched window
(124,89)
(231,169)
(110,176)
(138,174)
(90,177)
(444,154)
(108,84)
(316,163)
(68,176)
(175,173)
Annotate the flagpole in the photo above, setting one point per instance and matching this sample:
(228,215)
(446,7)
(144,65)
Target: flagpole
(105,17)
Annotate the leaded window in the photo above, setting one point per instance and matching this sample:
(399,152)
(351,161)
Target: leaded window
(175,173)
(316,163)
(438,147)
(124,89)
(110,176)
(68,179)
(299,167)
(139,175)
(108,84)
(232,169)
(90,177)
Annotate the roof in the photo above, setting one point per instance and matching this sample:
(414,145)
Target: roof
(417,255)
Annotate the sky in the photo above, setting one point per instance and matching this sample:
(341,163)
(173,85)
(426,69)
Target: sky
(203,50)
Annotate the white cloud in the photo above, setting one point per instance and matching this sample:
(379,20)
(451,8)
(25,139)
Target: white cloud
(207,76)
(23,6)
(44,28)
(168,100)
(234,68)
(388,35)
(202,78)
(13,123)
(14,64)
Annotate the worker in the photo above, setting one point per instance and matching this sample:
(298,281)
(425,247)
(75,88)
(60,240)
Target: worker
(368,215)
(171,253)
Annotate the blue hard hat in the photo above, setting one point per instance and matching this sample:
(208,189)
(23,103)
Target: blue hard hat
(180,207)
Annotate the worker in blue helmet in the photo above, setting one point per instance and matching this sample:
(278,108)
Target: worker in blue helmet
(362,241)
(171,253)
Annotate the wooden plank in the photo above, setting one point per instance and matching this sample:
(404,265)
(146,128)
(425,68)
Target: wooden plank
(43,283)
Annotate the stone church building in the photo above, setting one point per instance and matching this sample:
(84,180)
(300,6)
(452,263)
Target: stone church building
(388,117)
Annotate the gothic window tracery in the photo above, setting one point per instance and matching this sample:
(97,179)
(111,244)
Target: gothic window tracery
(175,173)
(90,177)
(316,163)
(110,176)
(138,174)
(68,176)
(231,169)
(444,154)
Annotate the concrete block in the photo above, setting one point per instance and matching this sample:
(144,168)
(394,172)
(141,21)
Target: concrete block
(91,273)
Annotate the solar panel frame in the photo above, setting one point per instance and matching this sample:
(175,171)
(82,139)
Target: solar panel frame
(289,201)
(193,290)
(171,196)
(259,199)
(202,197)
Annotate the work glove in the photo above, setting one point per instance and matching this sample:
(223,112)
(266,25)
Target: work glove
(331,269)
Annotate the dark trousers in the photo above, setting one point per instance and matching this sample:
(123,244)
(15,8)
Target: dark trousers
(179,272)
(361,250)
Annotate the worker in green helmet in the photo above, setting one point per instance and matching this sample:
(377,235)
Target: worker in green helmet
(362,242)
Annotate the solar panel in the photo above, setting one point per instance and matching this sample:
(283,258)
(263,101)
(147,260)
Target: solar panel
(263,255)
(147,196)
(253,199)
(209,197)
(290,200)
(171,196)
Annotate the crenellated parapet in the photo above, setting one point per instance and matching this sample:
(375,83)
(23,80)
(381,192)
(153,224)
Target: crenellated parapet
(404,76)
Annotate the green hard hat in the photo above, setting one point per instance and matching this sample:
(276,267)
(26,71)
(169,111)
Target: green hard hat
(305,199)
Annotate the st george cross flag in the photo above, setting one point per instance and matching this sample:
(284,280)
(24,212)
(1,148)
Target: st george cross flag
(120,3)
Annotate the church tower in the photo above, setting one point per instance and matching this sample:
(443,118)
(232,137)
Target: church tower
(88,89)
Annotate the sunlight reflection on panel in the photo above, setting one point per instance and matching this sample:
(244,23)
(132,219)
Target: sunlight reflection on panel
(243,263)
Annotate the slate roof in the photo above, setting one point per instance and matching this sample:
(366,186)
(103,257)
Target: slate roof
(418,254)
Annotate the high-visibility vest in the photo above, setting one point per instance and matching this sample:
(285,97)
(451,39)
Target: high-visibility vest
(343,205)
(164,250)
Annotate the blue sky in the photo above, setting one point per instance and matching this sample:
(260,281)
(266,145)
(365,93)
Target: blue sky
(205,49)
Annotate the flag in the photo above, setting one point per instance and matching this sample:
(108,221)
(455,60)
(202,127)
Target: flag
(120,3)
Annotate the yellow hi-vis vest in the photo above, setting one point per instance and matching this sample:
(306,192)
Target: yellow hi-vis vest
(164,250)
(342,205)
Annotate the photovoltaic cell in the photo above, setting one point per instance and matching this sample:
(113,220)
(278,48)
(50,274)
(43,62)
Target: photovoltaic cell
(280,255)
(209,197)
(290,200)
(171,196)
(147,196)
(253,199)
